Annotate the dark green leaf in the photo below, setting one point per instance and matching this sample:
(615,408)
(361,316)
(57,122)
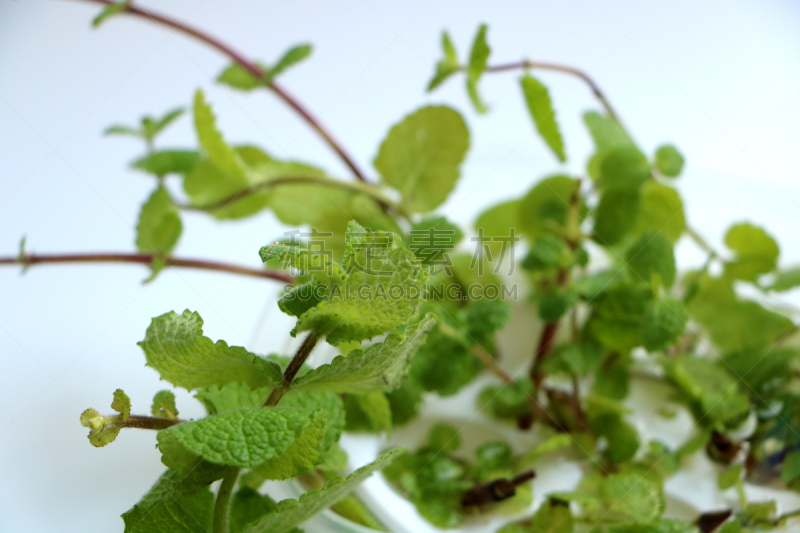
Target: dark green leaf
(159,226)
(616,215)
(663,324)
(652,259)
(756,252)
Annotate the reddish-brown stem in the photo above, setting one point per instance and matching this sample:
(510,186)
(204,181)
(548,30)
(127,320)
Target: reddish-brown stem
(292,369)
(149,422)
(146,259)
(545,344)
(542,65)
(251,67)
(537,409)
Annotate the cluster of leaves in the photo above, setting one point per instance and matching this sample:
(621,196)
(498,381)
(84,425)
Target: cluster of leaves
(436,478)
(729,360)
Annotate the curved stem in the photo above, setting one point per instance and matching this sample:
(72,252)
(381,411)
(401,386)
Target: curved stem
(292,369)
(253,69)
(362,188)
(542,65)
(146,259)
(222,505)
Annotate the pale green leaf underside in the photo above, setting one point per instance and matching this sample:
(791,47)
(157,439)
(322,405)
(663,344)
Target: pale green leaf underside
(174,345)
(245,438)
(380,368)
(421,155)
(159,225)
(291,513)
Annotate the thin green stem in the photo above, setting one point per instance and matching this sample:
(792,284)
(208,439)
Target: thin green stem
(701,242)
(27,260)
(292,369)
(222,505)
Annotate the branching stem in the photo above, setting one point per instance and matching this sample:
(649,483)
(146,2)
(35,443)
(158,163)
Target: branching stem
(292,369)
(253,69)
(222,505)
(542,65)
(146,259)
(369,190)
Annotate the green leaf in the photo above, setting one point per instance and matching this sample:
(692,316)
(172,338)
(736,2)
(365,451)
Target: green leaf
(553,516)
(245,438)
(606,132)
(543,114)
(756,252)
(661,211)
(331,405)
(508,401)
(319,266)
(191,467)
(164,405)
(294,55)
(231,397)
(735,324)
(669,161)
(219,153)
(711,392)
(444,364)
(382,367)
(291,513)
(118,129)
(301,455)
(548,252)
(785,280)
(174,345)
(622,438)
(383,291)
(247,506)
(616,215)
(166,162)
(663,324)
(730,477)
(110,10)
(554,302)
(546,207)
(238,77)
(478,57)
(573,359)
(368,412)
(443,438)
(421,156)
(405,401)
(652,259)
(432,238)
(624,168)
(168,118)
(159,225)
(104,429)
(550,445)
(633,493)
(498,221)
(617,317)
(121,404)
(763,371)
(447,66)
(172,506)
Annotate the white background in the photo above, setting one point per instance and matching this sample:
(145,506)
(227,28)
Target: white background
(720,79)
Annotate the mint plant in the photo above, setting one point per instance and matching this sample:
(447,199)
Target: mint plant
(390,284)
